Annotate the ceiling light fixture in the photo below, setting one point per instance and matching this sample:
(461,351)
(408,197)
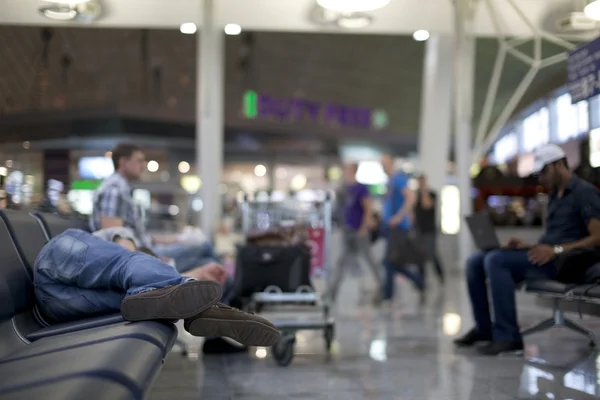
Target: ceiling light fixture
(67,2)
(421,35)
(233,29)
(188,28)
(70,10)
(592,10)
(354,21)
(352,6)
(59,12)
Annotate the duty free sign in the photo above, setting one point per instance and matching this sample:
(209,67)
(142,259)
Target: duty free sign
(291,109)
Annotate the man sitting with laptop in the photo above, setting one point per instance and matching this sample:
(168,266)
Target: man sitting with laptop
(573,221)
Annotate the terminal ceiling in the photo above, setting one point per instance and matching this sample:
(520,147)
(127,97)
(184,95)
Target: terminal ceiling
(380,70)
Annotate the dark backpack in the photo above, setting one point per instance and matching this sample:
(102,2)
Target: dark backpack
(572,267)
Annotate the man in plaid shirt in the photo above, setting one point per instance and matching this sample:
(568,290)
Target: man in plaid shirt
(114,206)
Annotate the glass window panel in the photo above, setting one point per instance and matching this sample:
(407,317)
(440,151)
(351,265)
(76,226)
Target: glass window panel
(536,129)
(573,119)
(506,148)
(583,117)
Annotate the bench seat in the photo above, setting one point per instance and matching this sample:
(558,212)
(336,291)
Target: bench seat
(547,286)
(589,291)
(68,327)
(130,362)
(160,335)
(74,388)
(94,358)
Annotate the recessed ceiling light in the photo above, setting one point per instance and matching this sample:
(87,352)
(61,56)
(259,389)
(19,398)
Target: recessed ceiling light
(233,29)
(188,28)
(421,35)
(59,12)
(592,10)
(350,6)
(354,21)
(69,2)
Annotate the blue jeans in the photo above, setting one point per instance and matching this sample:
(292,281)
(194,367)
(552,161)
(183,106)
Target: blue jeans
(504,269)
(390,272)
(188,257)
(77,275)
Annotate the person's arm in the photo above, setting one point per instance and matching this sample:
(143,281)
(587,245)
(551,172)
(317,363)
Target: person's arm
(588,202)
(427,199)
(409,200)
(367,204)
(108,209)
(589,209)
(165,240)
(593,240)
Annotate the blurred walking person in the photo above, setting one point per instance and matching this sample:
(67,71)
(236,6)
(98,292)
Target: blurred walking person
(357,222)
(398,209)
(426,226)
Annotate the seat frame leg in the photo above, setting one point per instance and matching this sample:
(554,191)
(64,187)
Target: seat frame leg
(559,319)
(575,327)
(539,327)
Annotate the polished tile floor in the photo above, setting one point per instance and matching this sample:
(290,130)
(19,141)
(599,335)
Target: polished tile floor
(404,353)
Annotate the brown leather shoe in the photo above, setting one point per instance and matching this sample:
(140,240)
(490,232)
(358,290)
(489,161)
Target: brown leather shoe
(172,302)
(221,320)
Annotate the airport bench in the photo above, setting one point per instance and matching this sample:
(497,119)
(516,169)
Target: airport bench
(54,224)
(564,297)
(96,358)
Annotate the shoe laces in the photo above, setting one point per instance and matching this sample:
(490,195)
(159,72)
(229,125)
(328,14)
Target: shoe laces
(226,307)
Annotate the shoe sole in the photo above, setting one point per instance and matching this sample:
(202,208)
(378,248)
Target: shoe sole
(472,345)
(246,332)
(183,301)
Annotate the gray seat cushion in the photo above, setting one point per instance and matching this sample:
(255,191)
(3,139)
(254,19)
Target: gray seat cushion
(129,361)
(76,388)
(548,286)
(159,335)
(68,327)
(591,291)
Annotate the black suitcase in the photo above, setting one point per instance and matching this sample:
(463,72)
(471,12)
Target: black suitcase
(257,267)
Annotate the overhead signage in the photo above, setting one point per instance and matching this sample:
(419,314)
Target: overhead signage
(85,184)
(293,109)
(583,71)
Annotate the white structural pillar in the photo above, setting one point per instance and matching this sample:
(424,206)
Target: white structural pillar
(436,110)
(210,115)
(464,72)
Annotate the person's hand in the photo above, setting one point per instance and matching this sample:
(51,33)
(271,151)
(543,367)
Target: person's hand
(127,243)
(541,254)
(396,219)
(363,231)
(212,272)
(515,243)
(164,240)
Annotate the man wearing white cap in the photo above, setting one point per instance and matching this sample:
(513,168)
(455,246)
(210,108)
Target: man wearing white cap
(573,221)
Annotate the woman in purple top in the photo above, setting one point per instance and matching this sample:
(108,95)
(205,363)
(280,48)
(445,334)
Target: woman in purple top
(357,220)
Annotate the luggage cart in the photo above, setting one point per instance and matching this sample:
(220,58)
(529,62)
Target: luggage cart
(316,217)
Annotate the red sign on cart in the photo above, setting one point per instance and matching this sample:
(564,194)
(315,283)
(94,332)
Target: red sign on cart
(316,238)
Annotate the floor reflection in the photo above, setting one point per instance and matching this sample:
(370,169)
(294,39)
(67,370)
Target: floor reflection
(404,353)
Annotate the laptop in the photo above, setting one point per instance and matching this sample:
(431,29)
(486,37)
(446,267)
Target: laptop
(483,231)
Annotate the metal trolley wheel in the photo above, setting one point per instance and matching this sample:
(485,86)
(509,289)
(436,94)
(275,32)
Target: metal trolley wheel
(283,350)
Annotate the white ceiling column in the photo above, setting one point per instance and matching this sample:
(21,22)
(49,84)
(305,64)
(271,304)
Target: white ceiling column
(435,126)
(463,115)
(210,104)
